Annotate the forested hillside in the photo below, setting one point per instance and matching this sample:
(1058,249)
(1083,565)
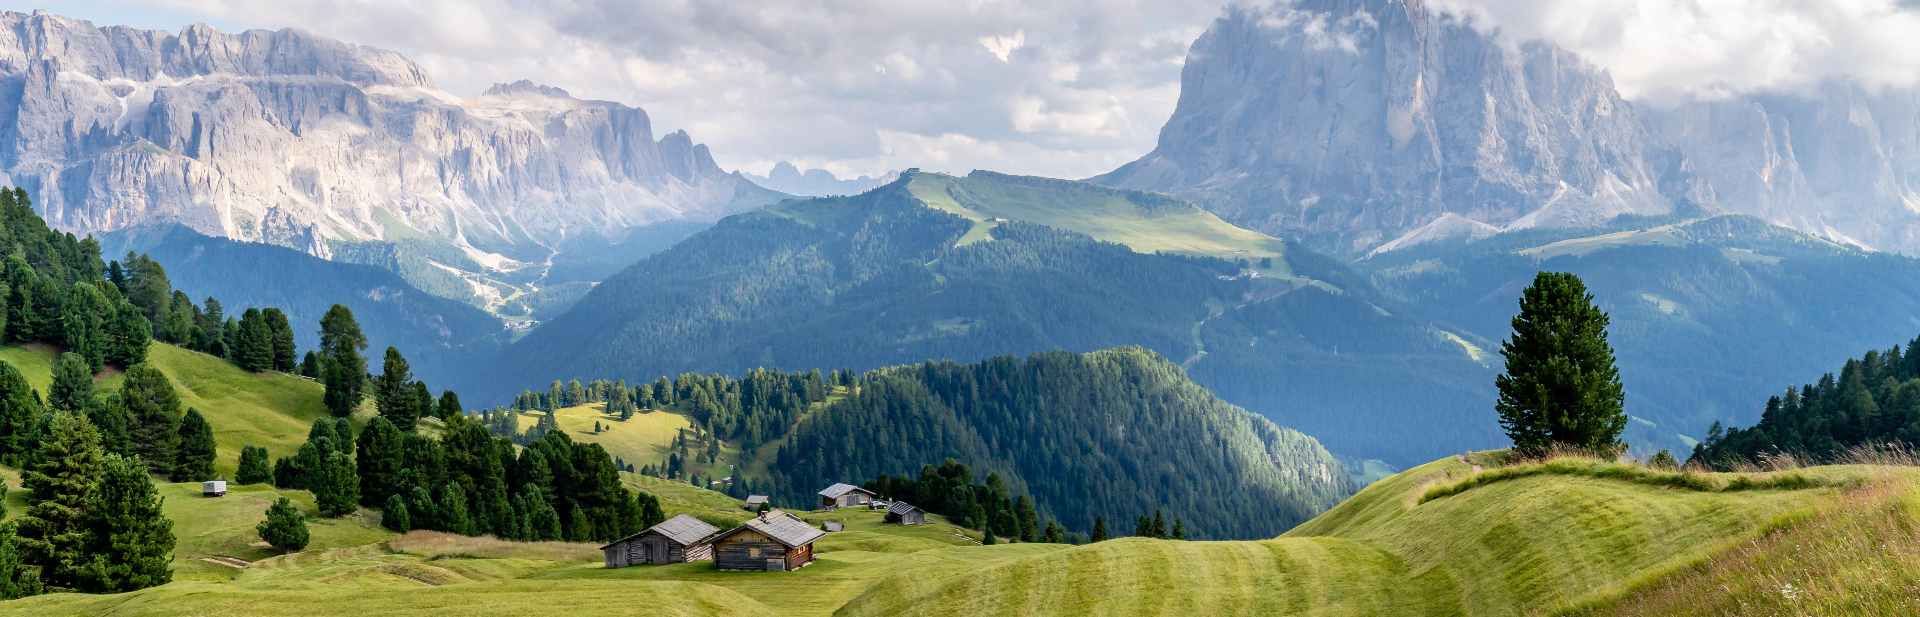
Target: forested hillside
(897,276)
(1116,434)
(441,337)
(1874,401)
(1710,315)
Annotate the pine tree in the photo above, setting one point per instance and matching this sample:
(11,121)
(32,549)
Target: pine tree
(280,340)
(254,468)
(1029,520)
(285,528)
(1144,528)
(310,366)
(393,392)
(17,579)
(423,405)
(1560,384)
(72,388)
(339,490)
(19,410)
(340,345)
(1099,530)
(380,458)
(1159,529)
(1179,529)
(987,537)
(53,534)
(128,334)
(85,325)
(449,406)
(151,405)
(193,456)
(129,541)
(1054,535)
(542,518)
(254,351)
(453,510)
(394,515)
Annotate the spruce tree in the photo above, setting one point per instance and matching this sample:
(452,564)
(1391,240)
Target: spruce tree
(1560,384)
(423,404)
(394,515)
(449,406)
(1029,520)
(338,493)
(53,533)
(17,578)
(285,528)
(254,468)
(129,541)
(1099,530)
(280,338)
(340,345)
(454,517)
(19,410)
(1179,529)
(310,366)
(1159,526)
(109,417)
(380,458)
(151,405)
(128,334)
(72,388)
(543,520)
(1054,535)
(987,537)
(393,392)
(194,454)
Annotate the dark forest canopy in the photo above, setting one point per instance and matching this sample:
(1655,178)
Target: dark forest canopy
(1874,400)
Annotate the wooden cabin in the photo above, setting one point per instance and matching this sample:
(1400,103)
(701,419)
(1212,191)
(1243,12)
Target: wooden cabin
(774,541)
(678,539)
(844,496)
(909,514)
(755,501)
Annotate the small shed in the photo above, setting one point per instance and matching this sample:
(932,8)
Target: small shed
(755,501)
(844,495)
(678,539)
(835,526)
(213,488)
(774,541)
(909,514)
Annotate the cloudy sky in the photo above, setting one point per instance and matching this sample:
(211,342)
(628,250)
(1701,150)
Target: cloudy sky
(1064,88)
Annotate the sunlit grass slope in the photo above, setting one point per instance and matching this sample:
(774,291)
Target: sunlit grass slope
(264,409)
(1527,545)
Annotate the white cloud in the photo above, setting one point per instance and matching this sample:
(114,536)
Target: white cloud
(1002,46)
(1675,49)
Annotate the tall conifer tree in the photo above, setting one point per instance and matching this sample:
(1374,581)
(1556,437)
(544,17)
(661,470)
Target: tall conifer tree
(53,533)
(346,370)
(194,454)
(129,541)
(1560,384)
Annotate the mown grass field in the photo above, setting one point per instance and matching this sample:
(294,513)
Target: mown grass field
(1582,540)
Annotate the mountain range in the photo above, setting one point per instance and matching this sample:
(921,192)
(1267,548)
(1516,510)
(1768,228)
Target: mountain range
(339,150)
(786,178)
(1358,124)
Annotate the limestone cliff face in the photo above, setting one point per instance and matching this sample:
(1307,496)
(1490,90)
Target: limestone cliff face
(297,140)
(1359,119)
(1840,160)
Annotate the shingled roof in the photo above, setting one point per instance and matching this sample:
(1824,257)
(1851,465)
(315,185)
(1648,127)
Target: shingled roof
(784,528)
(683,529)
(842,488)
(901,507)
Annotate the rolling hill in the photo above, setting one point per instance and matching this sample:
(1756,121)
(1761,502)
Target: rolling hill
(1501,546)
(926,267)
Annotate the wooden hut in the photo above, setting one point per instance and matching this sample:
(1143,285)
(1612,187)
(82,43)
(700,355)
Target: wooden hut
(844,496)
(755,501)
(678,539)
(771,542)
(908,514)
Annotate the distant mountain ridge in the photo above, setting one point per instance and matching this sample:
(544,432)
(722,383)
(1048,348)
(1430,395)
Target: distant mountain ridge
(787,178)
(1359,124)
(338,150)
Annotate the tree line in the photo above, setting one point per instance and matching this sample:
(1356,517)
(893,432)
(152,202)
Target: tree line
(1874,400)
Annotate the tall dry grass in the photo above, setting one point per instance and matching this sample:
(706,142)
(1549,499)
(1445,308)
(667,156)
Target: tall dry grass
(1858,555)
(437,545)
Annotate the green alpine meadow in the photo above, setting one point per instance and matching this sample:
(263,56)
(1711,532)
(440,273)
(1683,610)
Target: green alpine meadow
(1316,308)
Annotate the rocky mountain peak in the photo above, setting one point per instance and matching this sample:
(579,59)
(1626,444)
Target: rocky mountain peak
(526,86)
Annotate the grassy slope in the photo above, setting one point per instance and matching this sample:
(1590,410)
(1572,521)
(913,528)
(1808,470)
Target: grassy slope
(1106,217)
(265,409)
(1530,545)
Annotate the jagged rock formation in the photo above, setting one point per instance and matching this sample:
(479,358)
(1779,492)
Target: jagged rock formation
(1350,120)
(1841,160)
(302,141)
(817,182)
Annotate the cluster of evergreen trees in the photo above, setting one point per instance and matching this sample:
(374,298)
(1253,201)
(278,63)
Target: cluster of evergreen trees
(759,406)
(466,482)
(1874,400)
(989,506)
(1070,430)
(93,521)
